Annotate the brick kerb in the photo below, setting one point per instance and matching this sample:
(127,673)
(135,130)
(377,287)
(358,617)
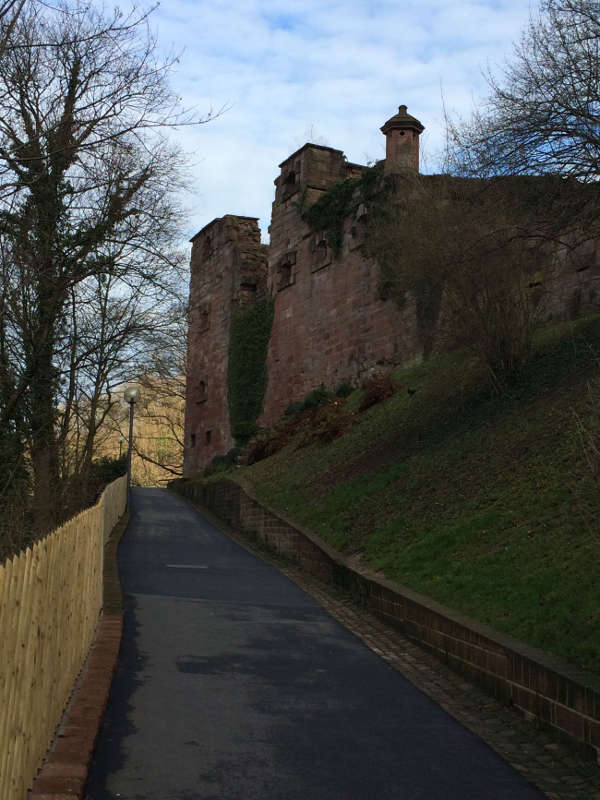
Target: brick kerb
(558,690)
(502,640)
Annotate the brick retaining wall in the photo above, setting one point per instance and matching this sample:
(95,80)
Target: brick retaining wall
(560,696)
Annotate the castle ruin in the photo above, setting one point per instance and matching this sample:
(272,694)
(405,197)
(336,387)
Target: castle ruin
(331,322)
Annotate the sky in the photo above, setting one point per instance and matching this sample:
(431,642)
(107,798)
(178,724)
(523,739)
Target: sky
(285,72)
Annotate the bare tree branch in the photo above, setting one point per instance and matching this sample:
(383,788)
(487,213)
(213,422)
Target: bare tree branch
(88,225)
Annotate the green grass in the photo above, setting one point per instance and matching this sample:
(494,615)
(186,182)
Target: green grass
(483,502)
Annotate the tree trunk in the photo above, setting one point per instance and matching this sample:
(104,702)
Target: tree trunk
(44,446)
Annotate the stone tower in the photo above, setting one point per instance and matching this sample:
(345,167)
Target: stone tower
(227,270)
(402,133)
(330,324)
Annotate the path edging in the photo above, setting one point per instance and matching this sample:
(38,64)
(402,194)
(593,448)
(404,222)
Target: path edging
(543,688)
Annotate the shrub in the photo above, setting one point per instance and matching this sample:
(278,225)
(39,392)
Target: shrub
(333,426)
(344,389)
(376,390)
(262,447)
(294,408)
(269,442)
(222,462)
(324,424)
(109,469)
(318,418)
(317,398)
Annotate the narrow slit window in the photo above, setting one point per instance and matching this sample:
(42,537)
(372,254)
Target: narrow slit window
(204,317)
(201,392)
(285,275)
(285,270)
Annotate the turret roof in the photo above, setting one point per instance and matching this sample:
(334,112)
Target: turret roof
(402,120)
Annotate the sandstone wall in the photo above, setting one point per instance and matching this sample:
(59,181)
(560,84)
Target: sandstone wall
(572,283)
(330,324)
(228,268)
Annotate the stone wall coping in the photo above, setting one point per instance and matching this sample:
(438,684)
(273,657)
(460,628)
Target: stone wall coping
(222,219)
(562,668)
(313,147)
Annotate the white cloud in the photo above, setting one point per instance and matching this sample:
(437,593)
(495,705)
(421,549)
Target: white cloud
(338,69)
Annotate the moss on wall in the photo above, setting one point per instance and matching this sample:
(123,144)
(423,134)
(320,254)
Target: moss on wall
(331,210)
(247,371)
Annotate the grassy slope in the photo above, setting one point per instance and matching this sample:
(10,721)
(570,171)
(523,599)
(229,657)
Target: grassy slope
(485,503)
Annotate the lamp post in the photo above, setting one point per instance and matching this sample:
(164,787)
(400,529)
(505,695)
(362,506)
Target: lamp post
(131,395)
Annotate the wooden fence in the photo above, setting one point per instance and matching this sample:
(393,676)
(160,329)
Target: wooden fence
(50,600)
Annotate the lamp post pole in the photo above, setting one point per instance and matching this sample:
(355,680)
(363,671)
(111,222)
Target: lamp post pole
(131,396)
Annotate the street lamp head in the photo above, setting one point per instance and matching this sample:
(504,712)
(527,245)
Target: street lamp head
(131,394)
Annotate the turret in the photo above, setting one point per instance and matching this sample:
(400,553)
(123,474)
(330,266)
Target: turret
(402,133)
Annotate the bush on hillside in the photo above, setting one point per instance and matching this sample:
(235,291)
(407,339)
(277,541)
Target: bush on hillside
(344,389)
(316,398)
(294,408)
(376,390)
(222,462)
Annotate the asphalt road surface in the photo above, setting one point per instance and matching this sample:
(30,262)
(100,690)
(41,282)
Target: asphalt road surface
(233,684)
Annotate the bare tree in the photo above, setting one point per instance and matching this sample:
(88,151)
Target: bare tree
(541,114)
(9,14)
(540,120)
(115,339)
(109,340)
(159,445)
(86,180)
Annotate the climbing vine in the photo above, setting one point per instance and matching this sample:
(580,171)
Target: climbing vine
(340,202)
(247,370)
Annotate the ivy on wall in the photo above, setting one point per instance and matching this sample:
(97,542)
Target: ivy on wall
(247,372)
(385,197)
(340,202)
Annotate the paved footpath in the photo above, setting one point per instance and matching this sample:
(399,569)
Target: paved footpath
(234,683)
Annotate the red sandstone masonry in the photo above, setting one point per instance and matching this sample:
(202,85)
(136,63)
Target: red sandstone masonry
(330,322)
(562,697)
(228,269)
